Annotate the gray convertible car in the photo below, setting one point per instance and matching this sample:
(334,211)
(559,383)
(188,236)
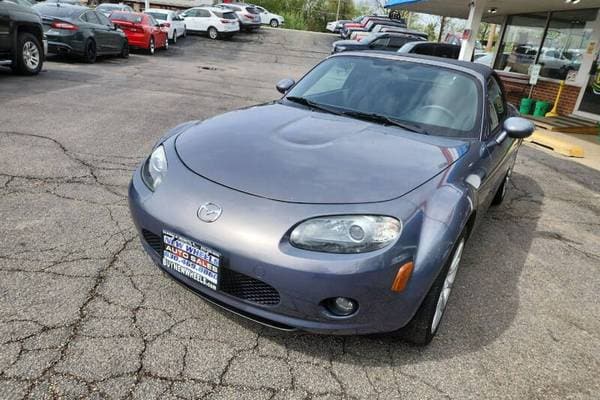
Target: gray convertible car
(343,207)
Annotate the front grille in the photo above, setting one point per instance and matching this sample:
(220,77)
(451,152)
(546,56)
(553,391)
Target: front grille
(247,288)
(153,240)
(231,282)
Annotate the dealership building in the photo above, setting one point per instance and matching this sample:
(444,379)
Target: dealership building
(562,36)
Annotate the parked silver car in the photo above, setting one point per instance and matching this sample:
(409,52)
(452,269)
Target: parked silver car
(247,14)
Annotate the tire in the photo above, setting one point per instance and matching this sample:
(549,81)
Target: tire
(184,31)
(151,46)
(174,37)
(213,33)
(426,322)
(90,52)
(501,193)
(166,43)
(125,50)
(30,55)
(274,23)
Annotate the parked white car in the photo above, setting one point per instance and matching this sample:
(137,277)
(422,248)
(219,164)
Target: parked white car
(215,21)
(170,20)
(268,18)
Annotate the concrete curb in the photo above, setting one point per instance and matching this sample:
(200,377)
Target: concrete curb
(557,145)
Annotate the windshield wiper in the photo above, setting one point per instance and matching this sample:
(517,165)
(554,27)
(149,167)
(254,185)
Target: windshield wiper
(386,120)
(412,127)
(312,104)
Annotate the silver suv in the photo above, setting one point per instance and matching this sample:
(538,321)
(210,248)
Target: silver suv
(247,14)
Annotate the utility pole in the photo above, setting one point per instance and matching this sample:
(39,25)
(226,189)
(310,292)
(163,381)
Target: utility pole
(337,15)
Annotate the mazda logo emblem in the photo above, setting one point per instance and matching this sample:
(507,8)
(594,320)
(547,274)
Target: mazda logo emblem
(209,212)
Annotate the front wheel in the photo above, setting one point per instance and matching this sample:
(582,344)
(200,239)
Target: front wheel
(166,43)
(501,193)
(274,23)
(30,56)
(174,37)
(424,325)
(213,33)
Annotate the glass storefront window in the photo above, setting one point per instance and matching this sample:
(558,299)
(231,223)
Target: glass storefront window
(556,40)
(566,42)
(522,40)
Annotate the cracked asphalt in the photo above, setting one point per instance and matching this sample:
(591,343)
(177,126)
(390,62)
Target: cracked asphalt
(85,314)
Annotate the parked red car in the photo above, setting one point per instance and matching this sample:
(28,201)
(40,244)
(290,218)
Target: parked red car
(142,30)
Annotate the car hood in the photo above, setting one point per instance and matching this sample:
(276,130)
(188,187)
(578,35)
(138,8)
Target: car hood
(292,154)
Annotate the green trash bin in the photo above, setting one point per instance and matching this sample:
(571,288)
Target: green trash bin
(541,108)
(526,105)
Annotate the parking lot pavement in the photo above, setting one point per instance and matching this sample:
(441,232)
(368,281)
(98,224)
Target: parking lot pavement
(84,313)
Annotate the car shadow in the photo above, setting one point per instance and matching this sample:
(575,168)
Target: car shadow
(483,304)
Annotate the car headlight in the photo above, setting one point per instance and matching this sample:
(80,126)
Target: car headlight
(346,233)
(155,168)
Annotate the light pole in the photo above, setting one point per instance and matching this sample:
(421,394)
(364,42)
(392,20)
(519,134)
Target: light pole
(337,15)
(146,4)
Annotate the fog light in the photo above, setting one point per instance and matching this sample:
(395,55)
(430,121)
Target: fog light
(341,306)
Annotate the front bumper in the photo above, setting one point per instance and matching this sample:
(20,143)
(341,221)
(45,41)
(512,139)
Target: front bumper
(251,244)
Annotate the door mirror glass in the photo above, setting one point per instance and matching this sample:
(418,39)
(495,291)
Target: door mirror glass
(518,128)
(284,85)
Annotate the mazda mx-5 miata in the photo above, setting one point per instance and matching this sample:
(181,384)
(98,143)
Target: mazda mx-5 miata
(341,208)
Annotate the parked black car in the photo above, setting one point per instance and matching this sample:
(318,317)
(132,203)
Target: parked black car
(383,41)
(80,31)
(22,44)
(444,50)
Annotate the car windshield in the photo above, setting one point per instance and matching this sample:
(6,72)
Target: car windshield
(158,15)
(126,16)
(427,98)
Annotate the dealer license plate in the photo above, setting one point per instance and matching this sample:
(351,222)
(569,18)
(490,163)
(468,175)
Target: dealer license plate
(191,259)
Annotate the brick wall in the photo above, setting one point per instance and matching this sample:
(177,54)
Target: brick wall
(544,90)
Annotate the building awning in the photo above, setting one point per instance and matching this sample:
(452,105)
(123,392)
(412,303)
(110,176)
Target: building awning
(399,3)
(460,8)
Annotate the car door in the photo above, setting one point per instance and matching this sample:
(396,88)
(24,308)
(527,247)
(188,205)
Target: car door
(100,31)
(4,27)
(500,150)
(191,20)
(180,23)
(114,37)
(204,18)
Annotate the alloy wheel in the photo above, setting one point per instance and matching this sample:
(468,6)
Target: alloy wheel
(31,55)
(274,23)
(212,33)
(174,37)
(152,46)
(447,288)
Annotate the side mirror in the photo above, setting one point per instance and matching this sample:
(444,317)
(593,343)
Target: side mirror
(518,128)
(284,85)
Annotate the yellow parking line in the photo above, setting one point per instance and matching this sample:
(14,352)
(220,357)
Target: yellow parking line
(558,145)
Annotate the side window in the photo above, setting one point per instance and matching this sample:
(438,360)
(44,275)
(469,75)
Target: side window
(103,20)
(203,13)
(396,42)
(423,49)
(91,17)
(495,104)
(381,43)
